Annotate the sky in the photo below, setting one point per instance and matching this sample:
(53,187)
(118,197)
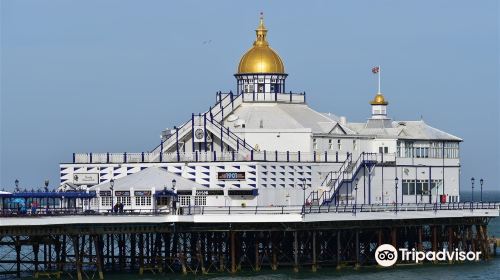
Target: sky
(108,76)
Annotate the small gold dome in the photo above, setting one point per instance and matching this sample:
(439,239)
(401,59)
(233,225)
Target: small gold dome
(379,100)
(261,58)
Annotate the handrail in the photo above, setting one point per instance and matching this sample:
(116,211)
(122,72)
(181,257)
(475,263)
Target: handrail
(260,210)
(342,172)
(232,135)
(189,121)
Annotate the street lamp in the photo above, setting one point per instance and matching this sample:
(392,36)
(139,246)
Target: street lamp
(304,187)
(396,189)
(16,182)
(112,186)
(481,183)
(174,182)
(472,181)
(46,185)
(356,198)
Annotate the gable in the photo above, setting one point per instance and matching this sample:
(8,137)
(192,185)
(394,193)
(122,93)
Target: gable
(337,129)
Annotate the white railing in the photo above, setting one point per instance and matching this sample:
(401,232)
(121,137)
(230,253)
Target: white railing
(212,156)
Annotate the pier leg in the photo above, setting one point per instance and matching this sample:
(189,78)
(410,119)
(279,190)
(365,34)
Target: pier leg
(314,260)
(339,251)
(141,253)
(220,251)
(394,240)
(133,247)
(257,261)
(419,232)
(274,244)
(78,263)
(18,257)
(295,252)
(357,265)
(233,252)
(98,256)
(379,237)
(36,250)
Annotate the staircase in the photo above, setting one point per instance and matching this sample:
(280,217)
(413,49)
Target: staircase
(347,172)
(227,103)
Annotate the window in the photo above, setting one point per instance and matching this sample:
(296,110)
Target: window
(408,149)
(315,144)
(330,144)
(106,201)
(408,187)
(123,199)
(380,150)
(94,202)
(421,152)
(386,150)
(184,200)
(451,150)
(162,201)
(339,145)
(142,200)
(422,187)
(434,184)
(200,200)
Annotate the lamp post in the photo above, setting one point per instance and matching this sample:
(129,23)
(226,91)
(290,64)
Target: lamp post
(304,187)
(472,181)
(396,189)
(46,185)
(481,183)
(16,182)
(174,197)
(112,186)
(356,198)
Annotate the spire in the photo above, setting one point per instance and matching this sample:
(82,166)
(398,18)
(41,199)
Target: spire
(261,33)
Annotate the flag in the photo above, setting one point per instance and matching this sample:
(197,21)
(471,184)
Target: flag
(375,70)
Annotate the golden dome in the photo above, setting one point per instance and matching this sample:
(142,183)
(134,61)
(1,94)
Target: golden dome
(261,58)
(379,100)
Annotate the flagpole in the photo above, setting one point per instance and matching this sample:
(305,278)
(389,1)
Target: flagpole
(379,73)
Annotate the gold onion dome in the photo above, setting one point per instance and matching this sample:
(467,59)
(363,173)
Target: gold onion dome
(379,100)
(261,58)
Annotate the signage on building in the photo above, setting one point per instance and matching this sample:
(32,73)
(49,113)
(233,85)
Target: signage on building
(105,193)
(142,193)
(253,192)
(85,178)
(199,134)
(122,193)
(230,176)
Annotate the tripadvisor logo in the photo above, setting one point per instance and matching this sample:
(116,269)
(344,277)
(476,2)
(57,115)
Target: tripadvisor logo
(387,255)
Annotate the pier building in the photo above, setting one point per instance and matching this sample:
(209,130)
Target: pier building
(262,145)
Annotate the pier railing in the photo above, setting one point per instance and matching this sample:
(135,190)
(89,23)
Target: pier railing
(400,207)
(262,210)
(212,156)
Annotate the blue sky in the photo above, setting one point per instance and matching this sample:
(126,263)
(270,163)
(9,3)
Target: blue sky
(97,76)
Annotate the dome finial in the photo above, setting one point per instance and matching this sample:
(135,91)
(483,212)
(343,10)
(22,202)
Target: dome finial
(379,100)
(261,32)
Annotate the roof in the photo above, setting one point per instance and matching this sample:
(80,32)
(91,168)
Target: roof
(151,177)
(283,116)
(415,130)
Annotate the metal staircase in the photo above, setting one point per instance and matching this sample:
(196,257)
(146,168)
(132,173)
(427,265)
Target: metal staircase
(347,173)
(212,120)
